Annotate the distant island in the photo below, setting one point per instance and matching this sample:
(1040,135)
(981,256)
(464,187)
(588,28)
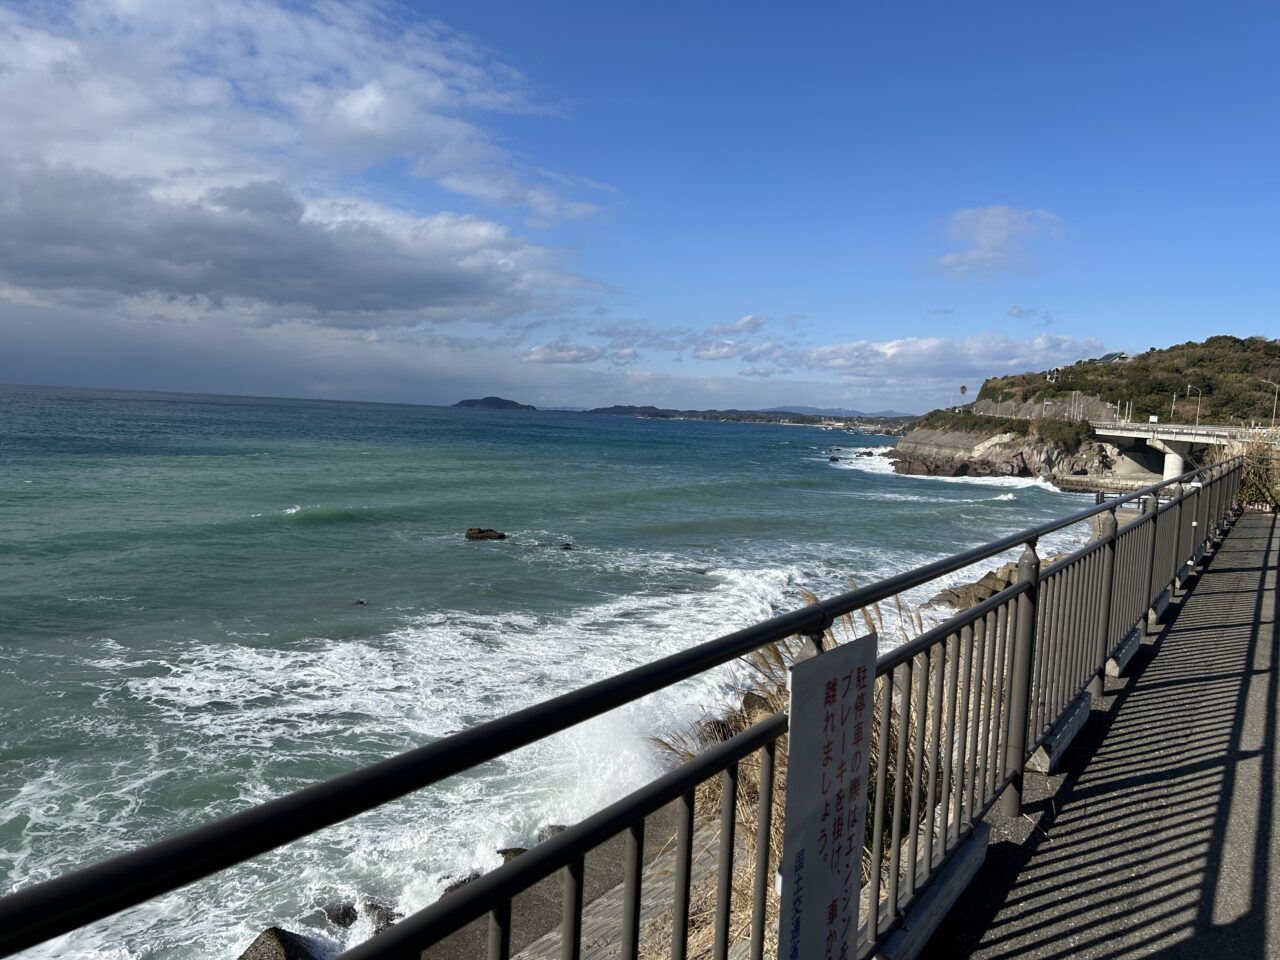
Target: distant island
(494,403)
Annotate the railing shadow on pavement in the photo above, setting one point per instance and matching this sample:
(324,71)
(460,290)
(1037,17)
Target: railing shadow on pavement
(1160,839)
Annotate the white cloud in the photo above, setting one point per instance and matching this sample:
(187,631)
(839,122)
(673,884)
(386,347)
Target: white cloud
(143,347)
(1023,313)
(994,240)
(928,365)
(195,151)
(721,350)
(260,251)
(751,323)
(561,351)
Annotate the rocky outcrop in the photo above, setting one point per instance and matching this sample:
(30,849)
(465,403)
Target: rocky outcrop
(484,533)
(344,913)
(549,831)
(1090,408)
(457,883)
(969,594)
(942,453)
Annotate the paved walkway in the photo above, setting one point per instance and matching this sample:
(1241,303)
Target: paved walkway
(1161,839)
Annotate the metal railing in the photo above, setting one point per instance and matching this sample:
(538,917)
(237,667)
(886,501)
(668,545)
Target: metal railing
(957,712)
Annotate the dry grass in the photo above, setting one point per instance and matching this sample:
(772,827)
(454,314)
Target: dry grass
(1260,485)
(760,689)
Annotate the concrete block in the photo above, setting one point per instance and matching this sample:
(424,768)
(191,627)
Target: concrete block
(1161,605)
(923,918)
(1049,753)
(1124,653)
(1186,572)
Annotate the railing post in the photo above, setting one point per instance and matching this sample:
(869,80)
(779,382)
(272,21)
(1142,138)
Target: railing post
(1153,508)
(1211,526)
(1202,519)
(1015,756)
(1194,537)
(1106,589)
(1179,492)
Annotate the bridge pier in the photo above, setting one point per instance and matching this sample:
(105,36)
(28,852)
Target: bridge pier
(1175,452)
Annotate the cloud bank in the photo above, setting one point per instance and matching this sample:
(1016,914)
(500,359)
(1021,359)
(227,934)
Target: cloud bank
(247,196)
(210,153)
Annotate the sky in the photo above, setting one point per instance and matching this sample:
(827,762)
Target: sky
(689,205)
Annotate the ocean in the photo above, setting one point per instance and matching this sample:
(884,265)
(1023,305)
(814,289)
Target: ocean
(180,635)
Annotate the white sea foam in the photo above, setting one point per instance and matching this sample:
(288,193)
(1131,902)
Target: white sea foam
(260,710)
(352,701)
(849,460)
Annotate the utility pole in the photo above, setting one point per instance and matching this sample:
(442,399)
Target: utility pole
(1199,397)
(1274,401)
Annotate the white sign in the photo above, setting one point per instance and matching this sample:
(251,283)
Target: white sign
(829,747)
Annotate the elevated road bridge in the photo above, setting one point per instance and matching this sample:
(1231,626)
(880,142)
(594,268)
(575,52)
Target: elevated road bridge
(1173,440)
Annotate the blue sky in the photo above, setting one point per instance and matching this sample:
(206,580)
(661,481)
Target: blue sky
(681,204)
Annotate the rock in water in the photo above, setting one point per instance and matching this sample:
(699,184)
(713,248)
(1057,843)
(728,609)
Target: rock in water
(484,533)
(275,943)
(382,914)
(549,831)
(510,853)
(342,913)
(457,883)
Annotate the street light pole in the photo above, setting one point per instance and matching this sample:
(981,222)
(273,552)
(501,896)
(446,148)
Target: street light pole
(1199,397)
(1274,400)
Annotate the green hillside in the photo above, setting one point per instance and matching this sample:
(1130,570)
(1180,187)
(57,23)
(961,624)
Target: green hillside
(1228,370)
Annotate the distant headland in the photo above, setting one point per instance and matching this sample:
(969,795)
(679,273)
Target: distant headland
(494,403)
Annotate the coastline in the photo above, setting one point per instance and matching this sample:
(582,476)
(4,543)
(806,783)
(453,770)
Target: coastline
(329,503)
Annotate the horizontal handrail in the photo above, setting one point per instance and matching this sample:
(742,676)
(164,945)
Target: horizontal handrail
(58,906)
(432,924)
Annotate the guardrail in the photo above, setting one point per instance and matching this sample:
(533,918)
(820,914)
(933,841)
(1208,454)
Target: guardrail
(1205,432)
(957,713)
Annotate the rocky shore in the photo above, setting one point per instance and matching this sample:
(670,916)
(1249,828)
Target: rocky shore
(944,453)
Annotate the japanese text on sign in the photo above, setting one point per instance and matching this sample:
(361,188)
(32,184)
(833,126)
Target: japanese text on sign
(827,762)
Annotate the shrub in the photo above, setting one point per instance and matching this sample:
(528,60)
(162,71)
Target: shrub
(1069,434)
(972,423)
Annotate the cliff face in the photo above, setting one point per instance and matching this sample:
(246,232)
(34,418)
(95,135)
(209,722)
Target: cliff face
(943,453)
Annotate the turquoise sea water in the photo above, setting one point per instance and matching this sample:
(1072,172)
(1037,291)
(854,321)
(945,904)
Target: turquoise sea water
(179,636)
